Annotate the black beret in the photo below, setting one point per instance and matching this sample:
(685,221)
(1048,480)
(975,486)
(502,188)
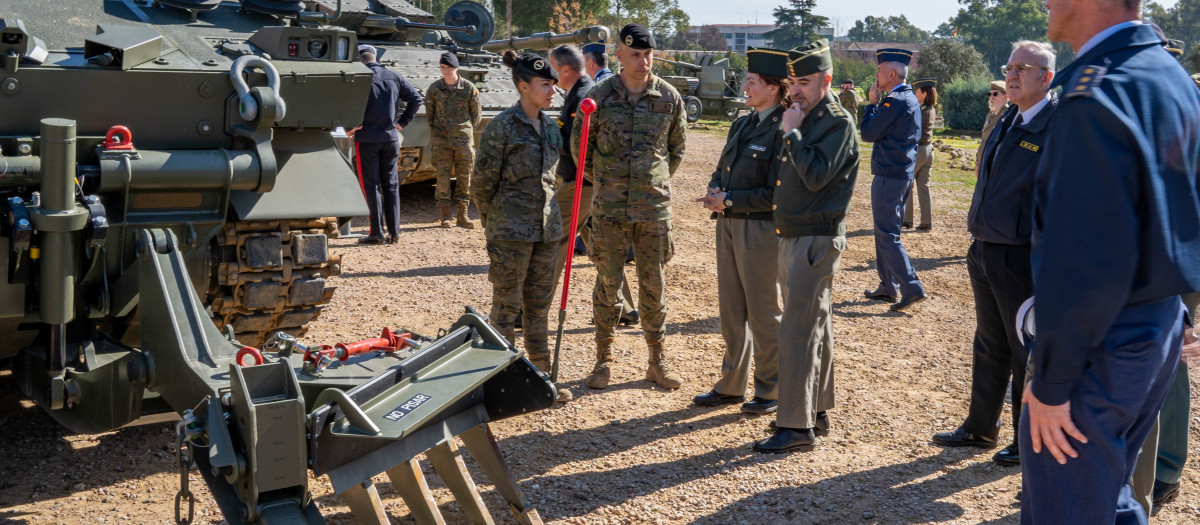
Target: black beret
(890,54)
(449,59)
(848,81)
(765,61)
(636,36)
(810,58)
(538,66)
(924,82)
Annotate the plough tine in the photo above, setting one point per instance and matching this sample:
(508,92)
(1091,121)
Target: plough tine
(364,503)
(482,444)
(410,483)
(448,463)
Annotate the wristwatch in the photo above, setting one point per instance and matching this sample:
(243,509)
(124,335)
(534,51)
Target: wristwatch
(729,199)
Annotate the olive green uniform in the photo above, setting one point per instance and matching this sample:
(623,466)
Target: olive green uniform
(850,99)
(453,112)
(513,188)
(812,197)
(747,249)
(924,165)
(635,143)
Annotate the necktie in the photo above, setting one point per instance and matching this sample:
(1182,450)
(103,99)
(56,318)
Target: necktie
(750,125)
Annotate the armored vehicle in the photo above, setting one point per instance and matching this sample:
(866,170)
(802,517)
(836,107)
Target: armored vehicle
(169,183)
(712,85)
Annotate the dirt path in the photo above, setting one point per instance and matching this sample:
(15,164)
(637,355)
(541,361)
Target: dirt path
(632,453)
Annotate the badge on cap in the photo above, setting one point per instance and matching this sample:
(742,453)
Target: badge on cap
(540,64)
(629,40)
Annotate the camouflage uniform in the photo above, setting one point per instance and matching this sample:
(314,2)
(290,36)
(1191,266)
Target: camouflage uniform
(850,99)
(635,143)
(513,188)
(453,113)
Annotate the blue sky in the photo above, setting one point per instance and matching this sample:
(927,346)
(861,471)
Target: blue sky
(926,14)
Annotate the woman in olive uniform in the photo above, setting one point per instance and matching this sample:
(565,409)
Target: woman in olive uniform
(513,187)
(927,96)
(740,196)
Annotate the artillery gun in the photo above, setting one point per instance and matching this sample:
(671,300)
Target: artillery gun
(712,85)
(170,182)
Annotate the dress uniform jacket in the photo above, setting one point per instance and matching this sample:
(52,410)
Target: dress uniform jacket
(894,125)
(748,167)
(820,160)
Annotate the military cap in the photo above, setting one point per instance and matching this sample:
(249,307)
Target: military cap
(636,36)
(537,65)
(924,82)
(893,54)
(1175,48)
(848,81)
(809,58)
(596,47)
(449,59)
(765,61)
(367,48)
(998,85)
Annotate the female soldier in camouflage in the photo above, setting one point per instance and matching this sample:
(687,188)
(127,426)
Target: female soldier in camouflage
(513,187)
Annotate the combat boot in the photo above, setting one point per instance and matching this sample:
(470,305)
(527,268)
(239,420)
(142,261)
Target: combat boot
(603,369)
(463,221)
(542,362)
(446,217)
(658,370)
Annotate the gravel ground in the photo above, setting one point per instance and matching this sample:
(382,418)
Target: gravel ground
(633,453)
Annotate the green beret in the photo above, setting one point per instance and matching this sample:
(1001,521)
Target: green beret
(924,82)
(765,61)
(808,59)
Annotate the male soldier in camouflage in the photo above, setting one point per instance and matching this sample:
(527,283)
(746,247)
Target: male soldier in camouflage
(635,142)
(849,98)
(452,109)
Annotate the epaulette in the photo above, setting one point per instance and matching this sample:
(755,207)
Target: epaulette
(1086,81)
(835,109)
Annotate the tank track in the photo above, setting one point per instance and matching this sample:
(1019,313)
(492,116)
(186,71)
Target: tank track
(271,276)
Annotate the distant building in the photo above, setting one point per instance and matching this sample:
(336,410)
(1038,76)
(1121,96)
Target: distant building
(740,36)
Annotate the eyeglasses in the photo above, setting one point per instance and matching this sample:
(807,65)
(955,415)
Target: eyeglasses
(1019,68)
(994,94)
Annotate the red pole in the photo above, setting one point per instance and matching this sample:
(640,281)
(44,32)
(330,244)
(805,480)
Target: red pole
(587,106)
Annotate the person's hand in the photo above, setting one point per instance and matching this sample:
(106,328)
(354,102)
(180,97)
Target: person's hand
(350,132)
(399,127)
(793,116)
(1049,426)
(875,93)
(1191,345)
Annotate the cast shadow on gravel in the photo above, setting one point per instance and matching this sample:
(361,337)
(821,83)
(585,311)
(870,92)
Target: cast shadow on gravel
(707,325)
(457,270)
(920,264)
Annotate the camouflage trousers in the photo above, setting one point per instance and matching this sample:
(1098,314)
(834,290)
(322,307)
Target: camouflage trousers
(522,277)
(653,246)
(452,161)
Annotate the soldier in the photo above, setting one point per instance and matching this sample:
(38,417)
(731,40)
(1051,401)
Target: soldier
(927,96)
(595,60)
(892,121)
(377,146)
(514,191)
(635,142)
(812,197)
(997,105)
(740,196)
(1114,247)
(452,108)
(849,98)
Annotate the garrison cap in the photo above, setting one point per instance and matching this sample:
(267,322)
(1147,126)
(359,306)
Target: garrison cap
(893,54)
(1175,48)
(765,61)
(809,58)
(636,36)
(537,65)
(998,85)
(449,59)
(596,47)
(367,48)
(924,82)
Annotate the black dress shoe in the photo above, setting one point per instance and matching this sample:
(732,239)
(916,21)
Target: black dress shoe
(925,228)
(787,440)
(1164,493)
(371,239)
(392,239)
(759,405)
(714,398)
(518,323)
(821,428)
(1011,456)
(879,295)
(908,301)
(630,318)
(906,225)
(962,438)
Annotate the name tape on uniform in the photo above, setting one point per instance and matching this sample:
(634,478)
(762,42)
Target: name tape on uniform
(1031,147)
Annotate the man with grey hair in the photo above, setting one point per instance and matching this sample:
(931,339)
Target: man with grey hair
(892,121)
(998,259)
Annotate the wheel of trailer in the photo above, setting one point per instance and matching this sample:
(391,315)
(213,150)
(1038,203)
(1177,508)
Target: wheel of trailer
(693,108)
(270,276)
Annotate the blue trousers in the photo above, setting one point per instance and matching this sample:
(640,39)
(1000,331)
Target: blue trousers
(888,197)
(1114,403)
(380,184)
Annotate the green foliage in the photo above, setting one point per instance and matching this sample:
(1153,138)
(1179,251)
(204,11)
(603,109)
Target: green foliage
(707,38)
(862,72)
(991,26)
(947,60)
(664,17)
(964,103)
(796,23)
(890,29)
(1181,22)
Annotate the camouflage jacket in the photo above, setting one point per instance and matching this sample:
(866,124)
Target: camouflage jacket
(514,181)
(850,100)
(452,111)
(634,145)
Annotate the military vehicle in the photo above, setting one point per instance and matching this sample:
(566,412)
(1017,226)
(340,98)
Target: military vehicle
(713,85)
(170,183)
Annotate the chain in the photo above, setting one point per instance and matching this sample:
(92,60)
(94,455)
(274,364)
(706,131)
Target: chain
(183,437)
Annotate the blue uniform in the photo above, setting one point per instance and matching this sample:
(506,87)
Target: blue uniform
(603,74)
(894,125)
(377,147)
(1116,240)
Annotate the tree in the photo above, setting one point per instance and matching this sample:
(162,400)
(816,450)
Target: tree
(706,37)
(890,29)
(664,18)
(853,68)
(531,16)
(991,26)
(1180,22)
(948,60)
(568,15)
(796,23)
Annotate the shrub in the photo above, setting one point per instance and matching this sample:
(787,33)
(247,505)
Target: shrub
(965,103)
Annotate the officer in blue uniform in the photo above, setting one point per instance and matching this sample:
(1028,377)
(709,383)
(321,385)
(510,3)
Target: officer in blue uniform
(892,121)
(595,60)
(1116,241)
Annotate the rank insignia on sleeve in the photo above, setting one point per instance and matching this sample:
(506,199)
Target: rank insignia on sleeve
(1030,146)
(1086,80)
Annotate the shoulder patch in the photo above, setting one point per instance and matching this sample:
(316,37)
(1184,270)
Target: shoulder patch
(1087,80)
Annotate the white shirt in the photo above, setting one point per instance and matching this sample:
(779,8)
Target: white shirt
(1026,116)
(1099,37)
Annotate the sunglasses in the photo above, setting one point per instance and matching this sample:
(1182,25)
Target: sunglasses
(994,94)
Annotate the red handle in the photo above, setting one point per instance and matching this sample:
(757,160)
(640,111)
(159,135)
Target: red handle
(587,106)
